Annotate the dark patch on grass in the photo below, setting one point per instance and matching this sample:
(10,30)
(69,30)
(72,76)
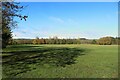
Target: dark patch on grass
(23,46)
(21,61)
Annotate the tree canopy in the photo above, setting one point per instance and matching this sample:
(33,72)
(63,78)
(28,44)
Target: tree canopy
(9,11)
(106,41)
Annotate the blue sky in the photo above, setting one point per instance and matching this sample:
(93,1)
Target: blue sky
(66,0)
(68,20)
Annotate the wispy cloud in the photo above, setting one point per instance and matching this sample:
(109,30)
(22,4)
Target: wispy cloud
(57,19)
(29,33)
(17,34)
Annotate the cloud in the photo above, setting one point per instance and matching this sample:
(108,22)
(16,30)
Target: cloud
(17,34)
(29,33)
(57,19)
(21,33)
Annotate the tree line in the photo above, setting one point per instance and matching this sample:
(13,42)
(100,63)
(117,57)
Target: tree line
(101,41)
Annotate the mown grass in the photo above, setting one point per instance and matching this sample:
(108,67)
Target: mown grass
(60,61)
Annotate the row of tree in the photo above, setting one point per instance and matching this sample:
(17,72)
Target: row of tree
(101,41)
(56,41)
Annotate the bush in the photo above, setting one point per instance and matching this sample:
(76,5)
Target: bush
(106,41)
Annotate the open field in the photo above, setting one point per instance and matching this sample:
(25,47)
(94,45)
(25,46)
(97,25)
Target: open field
(60,61)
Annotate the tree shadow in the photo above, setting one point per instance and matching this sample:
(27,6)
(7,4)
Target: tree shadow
(21,61)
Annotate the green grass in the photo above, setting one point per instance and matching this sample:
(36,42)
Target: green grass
(60,61)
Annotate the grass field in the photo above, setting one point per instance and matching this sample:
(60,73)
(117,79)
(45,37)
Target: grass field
(60,61)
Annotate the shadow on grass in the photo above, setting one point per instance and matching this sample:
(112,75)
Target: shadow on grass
(21,61)
(23,46)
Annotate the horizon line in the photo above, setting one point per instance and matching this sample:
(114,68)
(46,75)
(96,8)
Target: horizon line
(61,37)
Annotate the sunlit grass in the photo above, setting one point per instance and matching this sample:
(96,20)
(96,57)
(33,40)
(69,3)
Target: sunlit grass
(61,61)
